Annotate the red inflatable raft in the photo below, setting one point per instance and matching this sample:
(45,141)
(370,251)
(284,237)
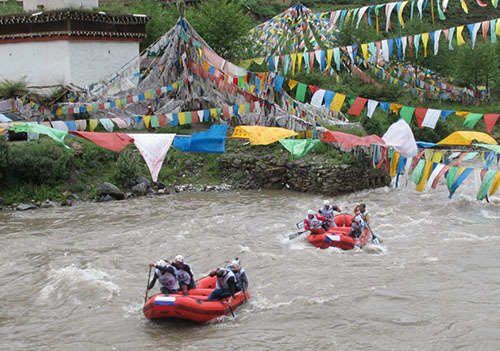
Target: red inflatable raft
(337,236)
(193,306)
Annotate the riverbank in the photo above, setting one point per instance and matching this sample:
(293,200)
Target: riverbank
(43,174)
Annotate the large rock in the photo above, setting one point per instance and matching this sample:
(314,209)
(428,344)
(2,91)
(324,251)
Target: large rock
(111,190)
(140,189)
(47,203)
(24,207)
(144,180)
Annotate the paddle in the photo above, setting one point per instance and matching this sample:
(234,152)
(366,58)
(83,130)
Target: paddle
(295,235)
(147,286)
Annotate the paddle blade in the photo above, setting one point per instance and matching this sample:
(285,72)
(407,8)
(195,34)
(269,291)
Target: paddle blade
(294,235)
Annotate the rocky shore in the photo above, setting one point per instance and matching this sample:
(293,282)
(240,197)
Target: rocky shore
(242,170)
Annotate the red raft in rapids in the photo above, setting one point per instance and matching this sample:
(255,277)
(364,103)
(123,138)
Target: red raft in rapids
(194,306)
(337,236)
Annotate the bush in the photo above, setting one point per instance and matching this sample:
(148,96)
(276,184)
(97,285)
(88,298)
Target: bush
(4,159)
(128,165)
(41,162)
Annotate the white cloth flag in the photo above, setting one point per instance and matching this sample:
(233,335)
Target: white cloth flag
(400,137)
(317,99)
(360,14)
(474,34)
(403,46)
(385,50)
(119,122)
(420,3)
(372,104)
(431,118)
(153,148)
(107,124)
(437,34)
(388,10)
(60,125)
(433,175)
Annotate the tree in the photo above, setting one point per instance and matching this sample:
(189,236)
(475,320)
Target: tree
(222,24)
(478,66)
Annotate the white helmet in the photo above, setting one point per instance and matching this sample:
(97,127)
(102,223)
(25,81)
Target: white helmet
(235,263)
(357,218)
(310,212)
(179,258)
(161,263)
(326,202)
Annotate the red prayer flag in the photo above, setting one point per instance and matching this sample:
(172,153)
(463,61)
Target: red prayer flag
(357,106)
(420,115)
(348,141)
(111,141)
(313,88)
(162,120)
(490,119)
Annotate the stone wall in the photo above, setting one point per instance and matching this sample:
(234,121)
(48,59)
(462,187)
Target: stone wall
(311,174)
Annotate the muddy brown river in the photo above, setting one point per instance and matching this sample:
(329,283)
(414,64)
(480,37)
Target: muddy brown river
(74,278)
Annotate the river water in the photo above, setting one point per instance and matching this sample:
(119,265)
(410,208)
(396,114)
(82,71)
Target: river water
(74,278)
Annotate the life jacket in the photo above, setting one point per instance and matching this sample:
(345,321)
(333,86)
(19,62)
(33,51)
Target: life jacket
(365,215)
(327,213)
(167,279)
(222,282)
(183,277)
(314,222)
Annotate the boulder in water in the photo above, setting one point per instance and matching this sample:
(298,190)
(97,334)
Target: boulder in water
(112,190)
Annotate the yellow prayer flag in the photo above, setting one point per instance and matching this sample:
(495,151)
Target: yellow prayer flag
(300,55)
(292,83)
(438,155)
(241,108)
(1,130)
(425,40)
(261,135)
(337,102)
(59,111)
(394,165)
(147,94)
(213,112)
(495,184)
(175,85)
(182,118)
(429,154)
(146,120)
(251,89)
(425,175)
(90,108)
(497,28)
(364,49)
(118,103)
(294,60)
(464,6)
(460,38)
(206,66)
(329,56)
(93,124)
(463,114)
(400,13)
(395,108)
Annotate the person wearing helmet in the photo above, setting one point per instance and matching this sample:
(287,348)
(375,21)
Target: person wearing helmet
(356,227)
(225,285)
(313,222)
(239,273)
(184,274)
(327,212)
(166,274)
(361,210)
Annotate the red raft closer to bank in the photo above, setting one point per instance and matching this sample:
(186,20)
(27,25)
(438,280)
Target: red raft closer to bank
(194,306)
(338,236)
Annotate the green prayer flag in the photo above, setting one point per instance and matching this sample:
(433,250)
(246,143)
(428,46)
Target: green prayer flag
(406,113)
(241,82)
(495,148)
(486,184)
(298,147)
(472,119)
(450,178)
(188,118)
(417,173)
(351,99)
(300,94)
(154,122)
(57,135)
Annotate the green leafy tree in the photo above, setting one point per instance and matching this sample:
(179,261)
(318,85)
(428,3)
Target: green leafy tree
(222,24)
(478,66)
(10,7)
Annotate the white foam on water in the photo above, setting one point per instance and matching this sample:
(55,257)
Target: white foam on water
(77,284)
(375,249)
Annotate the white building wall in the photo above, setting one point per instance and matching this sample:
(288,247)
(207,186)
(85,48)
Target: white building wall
(61,62)
(32,5)
(91,61)
(40,63)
